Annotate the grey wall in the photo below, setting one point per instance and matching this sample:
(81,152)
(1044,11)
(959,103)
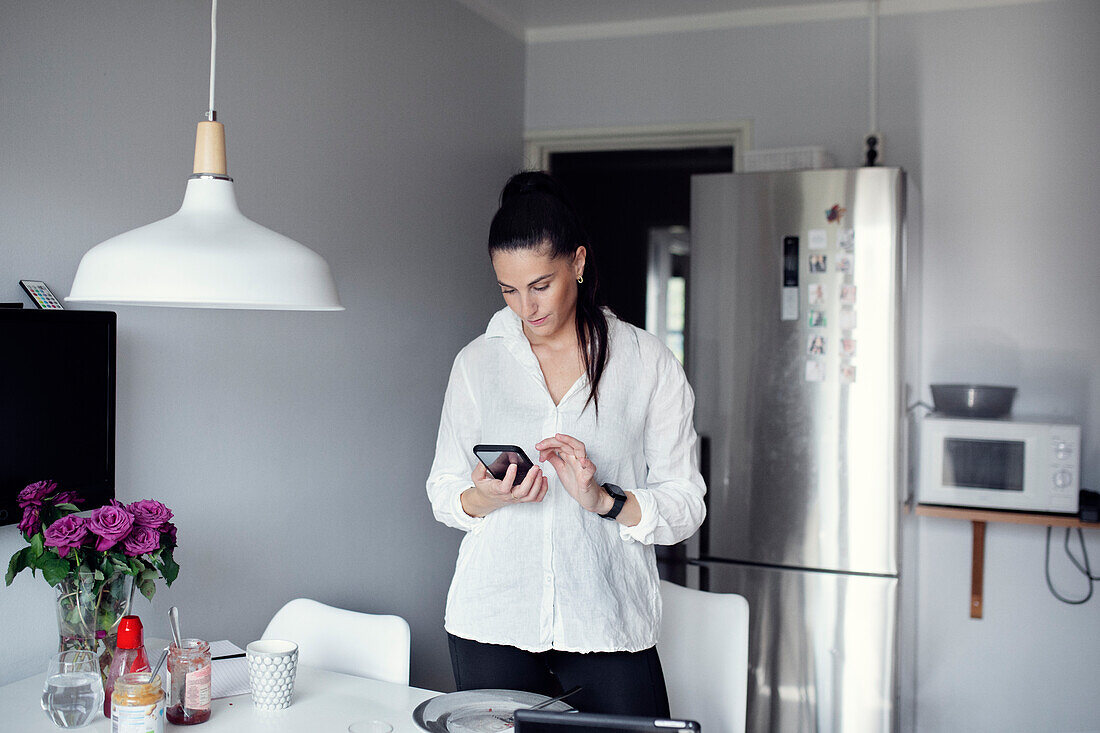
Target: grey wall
(994,112)
(293,447)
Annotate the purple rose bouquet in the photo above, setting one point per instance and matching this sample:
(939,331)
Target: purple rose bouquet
(135,539)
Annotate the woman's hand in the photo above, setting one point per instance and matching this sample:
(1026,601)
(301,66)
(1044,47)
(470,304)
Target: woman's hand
(577,474)
(489,494)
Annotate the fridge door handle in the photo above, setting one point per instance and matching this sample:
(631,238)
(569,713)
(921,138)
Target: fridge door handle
(704,470)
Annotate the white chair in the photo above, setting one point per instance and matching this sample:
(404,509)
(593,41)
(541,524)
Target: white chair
(704,648)
(361,644)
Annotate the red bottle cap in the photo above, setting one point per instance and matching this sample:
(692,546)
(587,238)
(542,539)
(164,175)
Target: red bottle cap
(130,635)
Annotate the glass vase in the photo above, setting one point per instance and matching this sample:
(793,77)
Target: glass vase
(88,612)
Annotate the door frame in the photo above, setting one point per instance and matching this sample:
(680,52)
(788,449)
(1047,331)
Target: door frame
(540,144)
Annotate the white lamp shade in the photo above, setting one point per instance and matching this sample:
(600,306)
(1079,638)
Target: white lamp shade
(206,255)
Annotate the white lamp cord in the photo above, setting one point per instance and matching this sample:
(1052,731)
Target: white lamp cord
(873,92)
(211,114)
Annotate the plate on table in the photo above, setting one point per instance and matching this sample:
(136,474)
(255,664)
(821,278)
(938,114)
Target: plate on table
(477,711)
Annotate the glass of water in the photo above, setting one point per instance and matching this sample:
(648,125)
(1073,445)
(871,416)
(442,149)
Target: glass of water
(74,690)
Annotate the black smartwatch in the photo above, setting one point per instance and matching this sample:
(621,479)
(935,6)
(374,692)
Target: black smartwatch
(620,500)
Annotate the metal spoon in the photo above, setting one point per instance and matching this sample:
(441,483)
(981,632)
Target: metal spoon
(174,622)
(160,664)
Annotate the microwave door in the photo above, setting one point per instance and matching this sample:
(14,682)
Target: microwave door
(993,465)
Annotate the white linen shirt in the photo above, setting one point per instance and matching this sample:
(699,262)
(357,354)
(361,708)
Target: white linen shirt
(551,575)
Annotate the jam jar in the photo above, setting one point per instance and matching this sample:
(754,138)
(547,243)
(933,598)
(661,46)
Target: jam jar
(189,682)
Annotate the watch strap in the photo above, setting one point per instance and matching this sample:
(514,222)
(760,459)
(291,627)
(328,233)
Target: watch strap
(620,500)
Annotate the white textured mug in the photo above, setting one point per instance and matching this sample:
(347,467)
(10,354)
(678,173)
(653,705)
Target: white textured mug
(271,667)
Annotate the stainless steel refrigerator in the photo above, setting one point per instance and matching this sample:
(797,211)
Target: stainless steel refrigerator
(797,354)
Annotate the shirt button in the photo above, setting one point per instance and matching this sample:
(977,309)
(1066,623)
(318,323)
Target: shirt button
(549,579)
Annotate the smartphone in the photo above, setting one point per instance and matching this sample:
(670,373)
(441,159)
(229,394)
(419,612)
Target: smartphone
(497,458)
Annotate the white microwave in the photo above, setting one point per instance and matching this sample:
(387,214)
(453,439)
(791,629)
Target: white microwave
(999,464)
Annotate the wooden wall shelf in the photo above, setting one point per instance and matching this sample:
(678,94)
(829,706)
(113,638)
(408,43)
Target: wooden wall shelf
(978,519)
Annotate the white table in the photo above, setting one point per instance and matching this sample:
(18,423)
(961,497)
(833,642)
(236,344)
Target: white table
(323,701)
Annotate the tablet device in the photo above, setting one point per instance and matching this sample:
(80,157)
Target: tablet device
(545,721)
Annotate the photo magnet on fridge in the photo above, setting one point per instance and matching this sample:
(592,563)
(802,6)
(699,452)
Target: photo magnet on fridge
(844,263)
(815,371)
(817,264)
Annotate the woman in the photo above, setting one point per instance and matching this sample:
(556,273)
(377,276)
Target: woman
(556,581)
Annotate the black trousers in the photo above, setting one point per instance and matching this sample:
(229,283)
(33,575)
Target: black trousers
(624,683)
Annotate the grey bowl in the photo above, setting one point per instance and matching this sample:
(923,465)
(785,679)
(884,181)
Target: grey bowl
(972,400)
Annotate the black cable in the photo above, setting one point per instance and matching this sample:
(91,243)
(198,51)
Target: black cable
(920,403)
(1085,569)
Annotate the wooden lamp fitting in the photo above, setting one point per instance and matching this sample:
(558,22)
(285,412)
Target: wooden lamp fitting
(210,149)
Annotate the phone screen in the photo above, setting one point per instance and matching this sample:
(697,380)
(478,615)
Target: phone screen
(497,458)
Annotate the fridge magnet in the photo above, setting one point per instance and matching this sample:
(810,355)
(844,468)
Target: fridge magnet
(817,263)
(846,239)
(819,239)
(817,319)
(834,214)
(847,319)
(815,292)
(816,345)
(847,373)
(848,348)
(815,371)
(847,294)
(844,263)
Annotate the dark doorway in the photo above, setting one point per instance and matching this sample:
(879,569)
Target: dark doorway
(624,194)
(633,202)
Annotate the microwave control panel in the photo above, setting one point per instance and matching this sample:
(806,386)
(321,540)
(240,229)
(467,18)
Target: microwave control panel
(1063,459)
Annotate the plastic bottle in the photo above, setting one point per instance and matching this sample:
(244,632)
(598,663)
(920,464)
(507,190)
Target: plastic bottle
(129,656)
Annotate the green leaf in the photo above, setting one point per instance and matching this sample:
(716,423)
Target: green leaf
(136,566)
(171,569)
(54,569)
(68,507)
(147,588)
(98,575)
(37,548)
(17,565)
(149,574)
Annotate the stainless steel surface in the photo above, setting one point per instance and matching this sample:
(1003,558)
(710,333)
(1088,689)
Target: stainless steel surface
(821,648)
(210,176)
(973,400)
(802,474)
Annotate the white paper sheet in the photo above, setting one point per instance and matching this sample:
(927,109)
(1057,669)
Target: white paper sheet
(228,677)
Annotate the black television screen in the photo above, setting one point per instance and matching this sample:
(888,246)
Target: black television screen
(57,404)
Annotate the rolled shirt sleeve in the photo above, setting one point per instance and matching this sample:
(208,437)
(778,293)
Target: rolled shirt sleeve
(672,499)
(458,433)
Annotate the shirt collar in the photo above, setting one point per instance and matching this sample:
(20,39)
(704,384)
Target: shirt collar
(504,324)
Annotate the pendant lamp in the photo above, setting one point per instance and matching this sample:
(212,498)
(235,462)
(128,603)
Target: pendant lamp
(207,254)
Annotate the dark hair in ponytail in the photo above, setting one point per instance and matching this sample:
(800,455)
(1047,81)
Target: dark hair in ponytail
(536,213)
